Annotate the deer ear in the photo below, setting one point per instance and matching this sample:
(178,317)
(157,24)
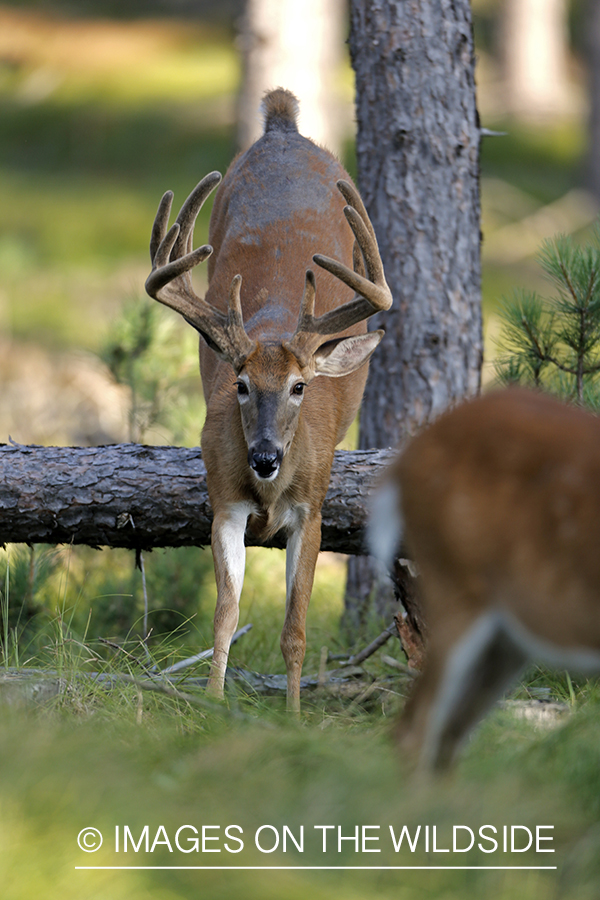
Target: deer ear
(343,355)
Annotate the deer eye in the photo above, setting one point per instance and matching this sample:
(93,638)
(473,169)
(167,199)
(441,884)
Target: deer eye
(242,388)
(298,389)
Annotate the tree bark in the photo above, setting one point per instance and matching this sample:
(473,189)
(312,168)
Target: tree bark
(130,495)
(418,172)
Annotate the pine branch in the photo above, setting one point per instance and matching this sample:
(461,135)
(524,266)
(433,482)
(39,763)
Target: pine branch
(544,340)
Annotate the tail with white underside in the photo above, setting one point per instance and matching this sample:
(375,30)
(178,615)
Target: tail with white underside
(385,528)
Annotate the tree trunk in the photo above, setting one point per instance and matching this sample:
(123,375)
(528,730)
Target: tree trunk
(295,45)
(129,495)
(534,37)
(418,172)
(592,20)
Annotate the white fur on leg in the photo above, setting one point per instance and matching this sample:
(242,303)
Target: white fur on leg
(230,535)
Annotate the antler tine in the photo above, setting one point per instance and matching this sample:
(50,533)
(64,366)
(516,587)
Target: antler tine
(307,337)
(353,198)
(235,324)
(159,227)
(358,262)
(171,251)
(170,280)
(307,305)
(190,209)
(367,279)
(165,272)
(374,287)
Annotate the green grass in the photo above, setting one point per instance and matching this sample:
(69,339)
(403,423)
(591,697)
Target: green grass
(98,594)
(102,759)
(91,756)
(112,62)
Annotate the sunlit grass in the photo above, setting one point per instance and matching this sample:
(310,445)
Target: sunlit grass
(71,249)
(119,63)
(263,604)
(99,118)
(99,594)
(158,762)
(198,74)
(104,755)
(544,161)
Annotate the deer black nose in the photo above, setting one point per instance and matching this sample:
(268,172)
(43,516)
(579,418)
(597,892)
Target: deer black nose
(265,459)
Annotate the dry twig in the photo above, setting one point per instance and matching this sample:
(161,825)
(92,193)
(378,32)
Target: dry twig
(371,648)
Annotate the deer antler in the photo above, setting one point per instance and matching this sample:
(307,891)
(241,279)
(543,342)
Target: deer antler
(367,280)
(170,281)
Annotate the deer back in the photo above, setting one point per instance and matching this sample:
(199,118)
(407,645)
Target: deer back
(501,499)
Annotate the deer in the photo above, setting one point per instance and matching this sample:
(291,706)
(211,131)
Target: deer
(497,502)
(283,352)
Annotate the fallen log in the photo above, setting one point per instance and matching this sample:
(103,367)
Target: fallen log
(141,497)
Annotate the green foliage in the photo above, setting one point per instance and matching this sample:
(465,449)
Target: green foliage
(93,596)
(555,342)
(179,582)
(148,352)
(25,574)
(106,752)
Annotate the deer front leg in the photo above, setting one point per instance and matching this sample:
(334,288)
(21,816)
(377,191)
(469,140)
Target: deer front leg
(229,557)
(301,558)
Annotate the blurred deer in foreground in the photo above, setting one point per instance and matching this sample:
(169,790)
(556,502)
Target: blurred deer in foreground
(499,504)
(272,423)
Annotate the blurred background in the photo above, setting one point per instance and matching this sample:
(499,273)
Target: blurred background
(106,105)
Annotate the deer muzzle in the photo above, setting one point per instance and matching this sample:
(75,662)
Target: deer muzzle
(264,458)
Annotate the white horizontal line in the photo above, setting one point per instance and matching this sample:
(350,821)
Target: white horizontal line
(294,868)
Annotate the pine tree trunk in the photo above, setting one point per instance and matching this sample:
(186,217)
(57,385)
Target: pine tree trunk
(296,45)
(418,172)
(592,20)
(534,37)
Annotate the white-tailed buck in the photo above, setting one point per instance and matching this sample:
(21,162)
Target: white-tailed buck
(272,423)
(499,504)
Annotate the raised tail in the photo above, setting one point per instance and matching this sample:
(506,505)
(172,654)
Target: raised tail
(280,109)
